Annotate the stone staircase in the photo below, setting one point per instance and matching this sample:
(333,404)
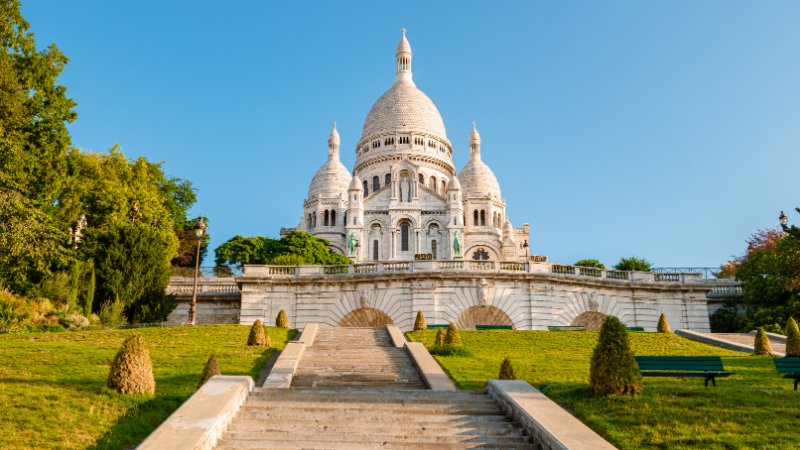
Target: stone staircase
(356,358)
(354,390)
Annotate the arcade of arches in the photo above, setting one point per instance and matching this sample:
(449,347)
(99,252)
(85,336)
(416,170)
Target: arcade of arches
(482,315)
(591,320)
(365,317)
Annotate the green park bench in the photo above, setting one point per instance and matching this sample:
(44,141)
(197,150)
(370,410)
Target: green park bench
(494,327)
(566,328)
(709,367)
(789,366)
(635,328)
(436,326)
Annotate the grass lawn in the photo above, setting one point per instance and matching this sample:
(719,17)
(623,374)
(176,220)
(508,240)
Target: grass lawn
(52,385)
(755,408)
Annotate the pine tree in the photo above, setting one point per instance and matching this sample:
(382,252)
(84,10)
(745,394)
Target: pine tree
(507,370)
(439,342)
(762,345)
(420,324)
(613,369)
(211,369)
(282,321)
(452,338)
(792,339)
(257,335)
(132,371)
(663,324)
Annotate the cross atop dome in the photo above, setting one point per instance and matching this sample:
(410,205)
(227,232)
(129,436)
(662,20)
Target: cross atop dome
(403,59)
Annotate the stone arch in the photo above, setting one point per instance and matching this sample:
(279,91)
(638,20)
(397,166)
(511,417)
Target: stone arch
(592,320)
(366,317)
(487,247)
(482,315)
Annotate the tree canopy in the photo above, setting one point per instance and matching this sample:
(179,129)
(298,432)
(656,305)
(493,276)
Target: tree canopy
(594,263)
(295,248)
(634,263)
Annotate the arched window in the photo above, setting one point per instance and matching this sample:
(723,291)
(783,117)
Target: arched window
(483,217)
(308,221)
(376,183)
(314,219)
(444,187)
(375,250)
(422,179)
(404,237)
(475,217)
(333,217)
(325,220)
(344,222)
(387,179)
(366,188)
(433,248)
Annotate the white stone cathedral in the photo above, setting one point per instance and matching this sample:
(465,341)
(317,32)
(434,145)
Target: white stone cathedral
(404,200)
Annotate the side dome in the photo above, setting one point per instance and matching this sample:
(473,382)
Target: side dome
(477,179)
(404,107)
(332,178)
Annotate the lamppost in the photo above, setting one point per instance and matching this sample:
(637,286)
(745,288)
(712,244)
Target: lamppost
(784,220)
(200,228)
(525,246)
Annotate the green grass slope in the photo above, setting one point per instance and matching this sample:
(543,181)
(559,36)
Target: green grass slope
(52,385)
(755,408)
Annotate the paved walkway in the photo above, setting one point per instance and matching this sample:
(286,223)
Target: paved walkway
(748,339)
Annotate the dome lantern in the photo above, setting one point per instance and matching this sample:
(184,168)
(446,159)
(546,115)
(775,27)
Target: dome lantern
(333,142)
(474,142)
(403,59)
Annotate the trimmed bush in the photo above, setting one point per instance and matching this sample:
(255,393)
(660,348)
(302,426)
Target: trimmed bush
(507,370)
(257,335)
(211,369)
(420,324)
(452,338)
(792,339)
(282,321)
(132,371)
(761,344)
(439,342)
(663,324)
(613,369)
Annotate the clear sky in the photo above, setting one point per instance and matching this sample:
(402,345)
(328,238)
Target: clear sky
(669,130)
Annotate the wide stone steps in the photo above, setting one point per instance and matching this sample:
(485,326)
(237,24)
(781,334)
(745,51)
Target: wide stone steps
(354,390)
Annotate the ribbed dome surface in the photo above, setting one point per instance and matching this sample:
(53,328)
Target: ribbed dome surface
(478,180)
(404,108)
(331,180)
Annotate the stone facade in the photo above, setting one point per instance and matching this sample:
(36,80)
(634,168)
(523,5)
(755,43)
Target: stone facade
(469,293)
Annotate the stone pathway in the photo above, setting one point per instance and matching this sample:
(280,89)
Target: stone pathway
(778,346)
(354,390)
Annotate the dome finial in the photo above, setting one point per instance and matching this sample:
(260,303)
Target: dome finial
(474,142)
(333,142)
(403,59)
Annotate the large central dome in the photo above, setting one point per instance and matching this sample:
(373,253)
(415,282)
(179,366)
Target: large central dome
(404,107)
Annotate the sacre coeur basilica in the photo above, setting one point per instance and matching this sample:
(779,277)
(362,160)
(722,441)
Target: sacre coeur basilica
(425,237)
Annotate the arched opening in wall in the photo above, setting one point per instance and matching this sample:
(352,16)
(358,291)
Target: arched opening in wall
(475,217)
(375,250)
(422,179)
(388,179)
(366,188)
(433,184)
(325,222)
(483,217)
(433,249)
(376,183)
(482,315)
(366,317)
(592,320)
(333,217)
(404,236)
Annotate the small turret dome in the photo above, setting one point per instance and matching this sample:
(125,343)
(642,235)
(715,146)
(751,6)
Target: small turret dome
(453,184)
(355,184)
(477,178)
(332,178)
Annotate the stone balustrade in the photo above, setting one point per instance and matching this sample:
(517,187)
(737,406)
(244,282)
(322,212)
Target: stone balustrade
(183,286)
(722,287)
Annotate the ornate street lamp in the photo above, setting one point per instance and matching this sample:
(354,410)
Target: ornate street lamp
(200,228)
(784,220)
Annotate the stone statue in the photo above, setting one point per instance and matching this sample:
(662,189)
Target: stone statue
(351,243)
(457,243)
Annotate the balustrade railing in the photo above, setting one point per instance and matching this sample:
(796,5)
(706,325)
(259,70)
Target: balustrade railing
(335,270)
(667,277)
(562,269)
(396,267)
(618,275)
(450,265)
(590,272)
(365,268)
(516,267)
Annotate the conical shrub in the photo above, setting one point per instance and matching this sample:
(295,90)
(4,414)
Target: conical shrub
(761,344)
(452,338)
(792,339)
(257,335)
(613,369)
(211,369)
(663,324)
(439,342)
(132,371)
(420,324)
(507,370)
(282,321)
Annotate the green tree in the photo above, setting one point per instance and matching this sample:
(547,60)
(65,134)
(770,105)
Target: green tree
(594,263)
(761,344)
(295,248)
(634,263)
(507,370)
(792,339)
(613,369)
(419,323)
(663,324)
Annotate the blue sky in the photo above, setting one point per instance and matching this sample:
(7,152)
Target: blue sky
(668,130)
